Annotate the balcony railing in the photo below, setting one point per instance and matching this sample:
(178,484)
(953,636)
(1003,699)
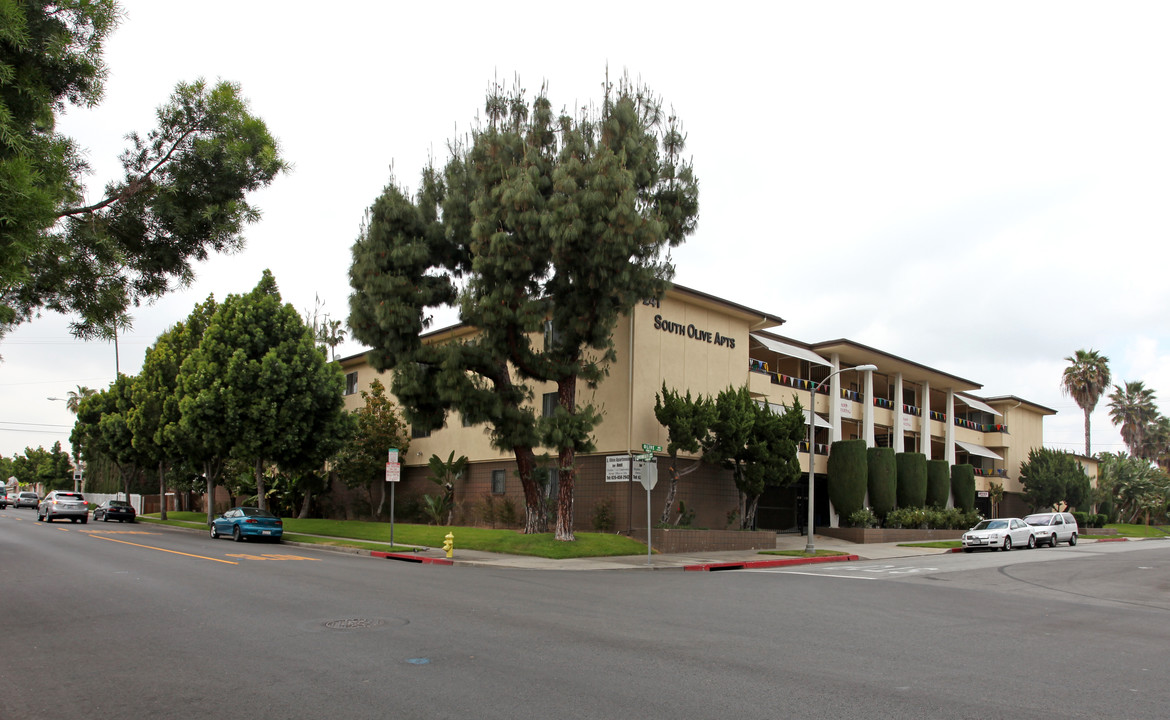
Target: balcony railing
(981,427)
(822,448)
(996,472)
(798,383)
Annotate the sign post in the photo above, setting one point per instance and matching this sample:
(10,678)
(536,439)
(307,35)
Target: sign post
(649,479)
(393,475)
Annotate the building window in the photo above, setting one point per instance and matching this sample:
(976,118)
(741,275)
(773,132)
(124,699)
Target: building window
(417,433)
(466,422)
(550,404)
(498,477)
(350,383)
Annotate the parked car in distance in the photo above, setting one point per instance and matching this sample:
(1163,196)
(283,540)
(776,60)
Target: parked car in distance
(3,500)
(119,510)
(1054,527)
(27,499)
(63,504)
(1000,533)
(247,522)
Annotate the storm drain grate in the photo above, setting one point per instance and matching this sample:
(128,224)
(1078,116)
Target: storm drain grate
(354,624)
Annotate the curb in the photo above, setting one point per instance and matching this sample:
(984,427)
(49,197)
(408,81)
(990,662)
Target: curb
(411,558)
(714,567)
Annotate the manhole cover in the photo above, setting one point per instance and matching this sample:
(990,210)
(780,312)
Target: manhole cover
(354,624)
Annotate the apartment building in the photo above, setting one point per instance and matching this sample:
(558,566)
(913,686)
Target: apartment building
(691,341)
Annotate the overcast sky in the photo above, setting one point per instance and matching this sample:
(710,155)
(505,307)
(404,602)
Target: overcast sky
(978,187)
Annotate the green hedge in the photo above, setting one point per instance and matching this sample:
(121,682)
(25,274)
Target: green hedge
(847,476)
(963,486)
(883,480)
(938,483)
(911,479)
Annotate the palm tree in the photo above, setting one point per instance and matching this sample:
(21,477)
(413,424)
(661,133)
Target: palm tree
(74,397)
(1085,380)
(1156,441)
(1133,408)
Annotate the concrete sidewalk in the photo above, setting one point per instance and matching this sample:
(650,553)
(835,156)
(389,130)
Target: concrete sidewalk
(687,561)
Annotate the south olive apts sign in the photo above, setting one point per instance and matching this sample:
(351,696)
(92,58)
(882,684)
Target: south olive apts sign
(694,333)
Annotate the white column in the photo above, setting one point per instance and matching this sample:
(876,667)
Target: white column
(950,431)
(924,433)
(899,433)
(867,410)
(835,400)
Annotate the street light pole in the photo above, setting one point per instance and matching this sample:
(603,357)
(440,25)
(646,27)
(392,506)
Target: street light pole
(812,420)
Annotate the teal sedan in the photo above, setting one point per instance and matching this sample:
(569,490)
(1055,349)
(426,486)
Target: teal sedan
(247,522)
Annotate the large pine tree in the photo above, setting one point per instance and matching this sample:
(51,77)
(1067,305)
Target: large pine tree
(553,226)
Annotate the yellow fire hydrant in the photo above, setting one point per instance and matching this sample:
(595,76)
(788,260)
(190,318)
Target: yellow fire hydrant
(449,544)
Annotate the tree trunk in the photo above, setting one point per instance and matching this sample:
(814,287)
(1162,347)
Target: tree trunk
(162,492)
(261,501)
(675,476)
(305,505)
(210,502)
(750,513)
(534,520)
(381,500)
(1087,433)
(567,395)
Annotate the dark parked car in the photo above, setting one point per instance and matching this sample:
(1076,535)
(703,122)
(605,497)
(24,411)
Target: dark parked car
(119,510)
(247,522)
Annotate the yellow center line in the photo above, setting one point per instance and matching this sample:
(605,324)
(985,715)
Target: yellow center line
(175,552)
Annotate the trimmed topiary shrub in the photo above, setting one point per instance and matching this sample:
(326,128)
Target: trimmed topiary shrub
(883,480)
(938,483)
(847,476)
(911,479)
(1082,518)
(963,486)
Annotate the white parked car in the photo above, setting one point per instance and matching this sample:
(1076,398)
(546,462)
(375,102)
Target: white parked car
(1000,533)
(1054,527)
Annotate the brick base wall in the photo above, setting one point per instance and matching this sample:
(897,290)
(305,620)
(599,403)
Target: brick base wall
(883,535)
(676,540)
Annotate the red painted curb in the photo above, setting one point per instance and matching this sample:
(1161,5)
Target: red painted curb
(411,558)
(708,567)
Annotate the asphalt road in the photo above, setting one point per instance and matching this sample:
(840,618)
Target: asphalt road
(139,621)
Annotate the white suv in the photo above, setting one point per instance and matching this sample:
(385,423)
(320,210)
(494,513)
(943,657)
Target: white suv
(1054,527)
(63,504)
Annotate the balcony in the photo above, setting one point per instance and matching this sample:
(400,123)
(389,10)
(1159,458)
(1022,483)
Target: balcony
(997,472)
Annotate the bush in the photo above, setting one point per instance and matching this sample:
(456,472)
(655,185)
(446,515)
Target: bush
(883,480)
(603,516)
(847,476)
(1100,520)
(938,483)
(963,486)
(911,480)
(909,518)
(863,518)
(933,518)
(1082,518)
(506,513)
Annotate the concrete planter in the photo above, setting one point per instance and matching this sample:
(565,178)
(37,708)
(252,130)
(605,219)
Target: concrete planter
(678,540)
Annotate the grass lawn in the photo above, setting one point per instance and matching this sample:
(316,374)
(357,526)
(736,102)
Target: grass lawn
(1130,530)
(466,538)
